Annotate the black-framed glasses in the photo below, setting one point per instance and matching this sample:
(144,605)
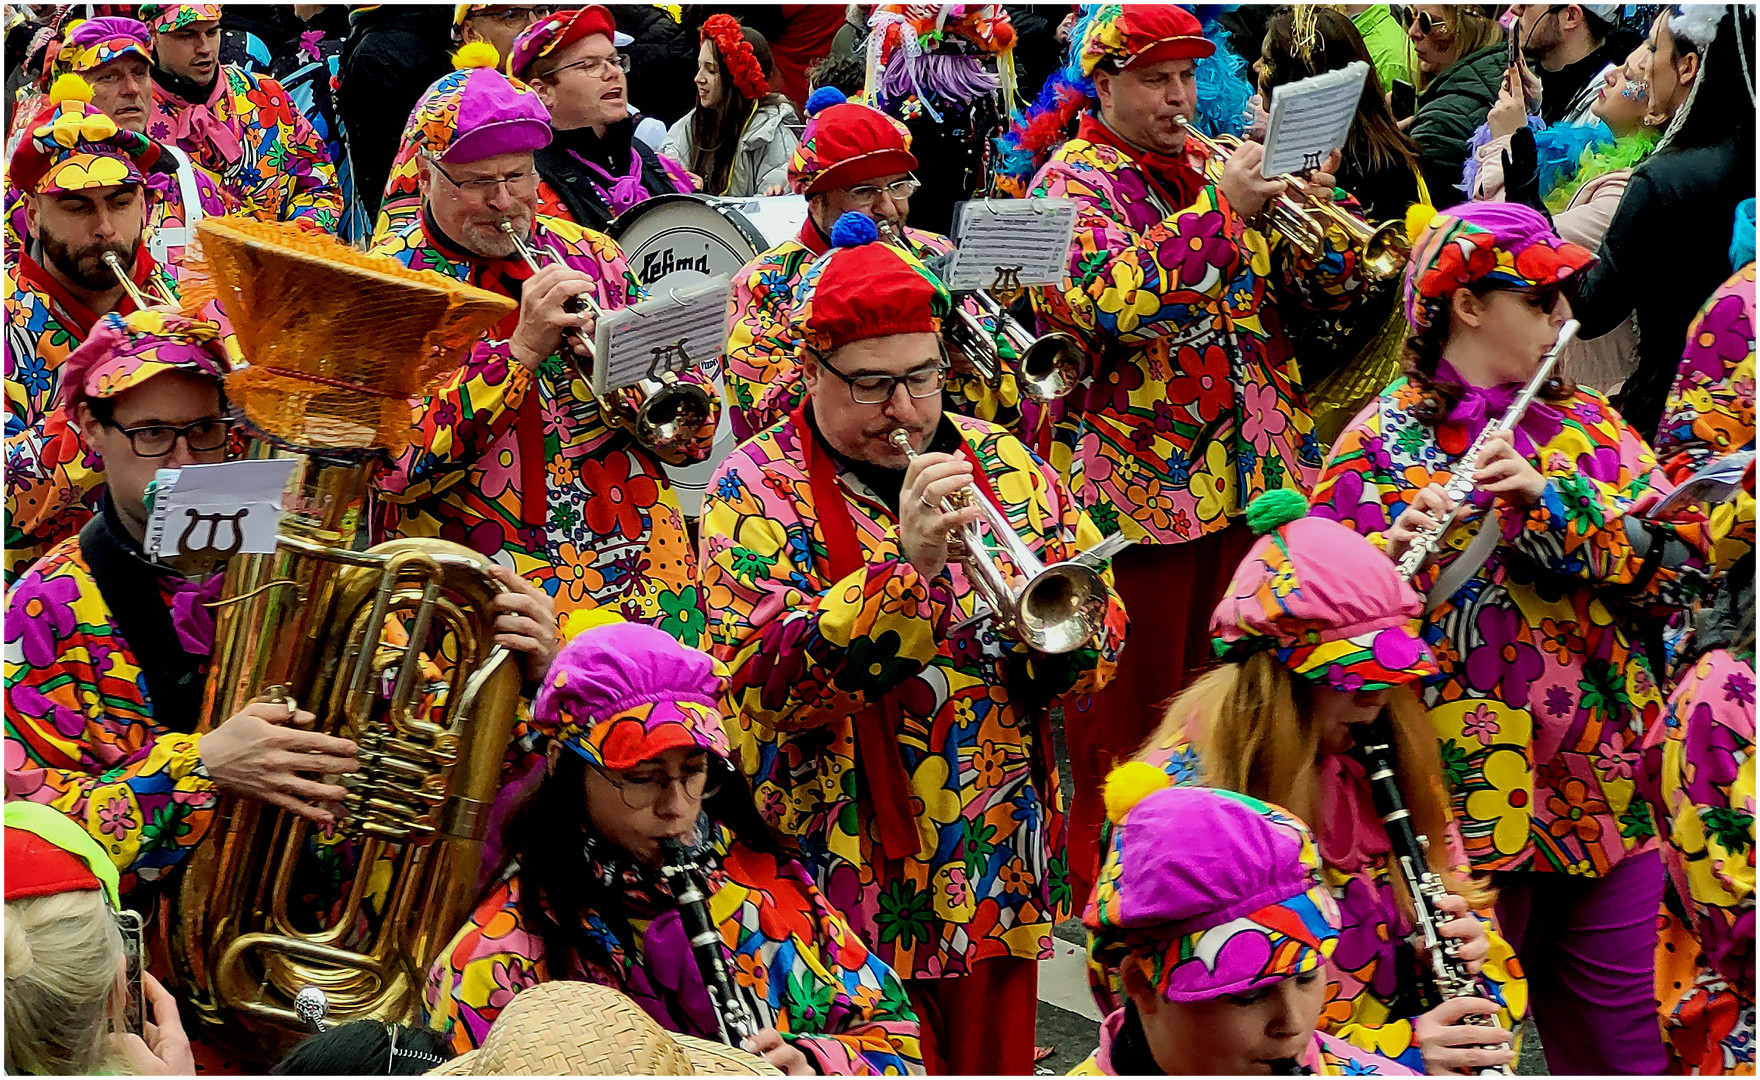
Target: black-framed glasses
(639,793)
(593,66)
(866,195)
(519,184)
(157,440)
(877,389)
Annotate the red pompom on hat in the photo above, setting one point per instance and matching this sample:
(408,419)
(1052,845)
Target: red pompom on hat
(863,289)
(846,144)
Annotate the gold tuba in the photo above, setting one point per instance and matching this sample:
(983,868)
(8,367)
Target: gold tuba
(392,647)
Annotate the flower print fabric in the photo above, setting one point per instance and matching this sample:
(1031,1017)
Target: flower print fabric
(1545,691)
(272,165)
(763,368)
(522,466)
(80,733)
(812,977)
(1699,766)
(809,653)
(1195,407)
(1710,411)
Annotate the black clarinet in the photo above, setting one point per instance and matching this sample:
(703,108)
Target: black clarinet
(733,1017)
(1409,848)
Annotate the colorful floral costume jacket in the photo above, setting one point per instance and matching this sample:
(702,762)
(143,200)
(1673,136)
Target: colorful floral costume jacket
(1326,1056)
(967,863)
(763,369)
(1710,410)
(1195,406)
(1700,763)
(273,166)
(52,481)
(1545,691)
(1373,979)
(80,732)
(809,974)
(524,468)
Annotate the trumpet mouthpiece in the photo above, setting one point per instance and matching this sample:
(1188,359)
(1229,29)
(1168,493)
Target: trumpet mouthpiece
(901,438)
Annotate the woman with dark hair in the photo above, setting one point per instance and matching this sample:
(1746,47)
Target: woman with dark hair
(638,757)
(1347,357)
(739,138)
(1546,686)
(1667,246)
(366,1048)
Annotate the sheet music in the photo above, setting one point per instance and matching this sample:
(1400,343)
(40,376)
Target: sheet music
(218,506)
(1310,119)
(1031,236)
(679,329)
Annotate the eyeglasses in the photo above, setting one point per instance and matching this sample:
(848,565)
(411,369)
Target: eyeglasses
(157,440)
(698,782)
(516,16)
(518,184)
(877,389)
(593,66)
(866,195)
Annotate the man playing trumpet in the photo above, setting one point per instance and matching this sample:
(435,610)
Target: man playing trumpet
(1195,406)
(513,456)
(900,741)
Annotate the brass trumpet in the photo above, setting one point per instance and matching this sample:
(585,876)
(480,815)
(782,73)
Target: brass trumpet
(666,415)
(142,300)
(1056,609)
(1383,249)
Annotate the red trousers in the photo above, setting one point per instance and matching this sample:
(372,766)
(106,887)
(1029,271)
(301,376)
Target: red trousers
(1169,592)
(982,1023)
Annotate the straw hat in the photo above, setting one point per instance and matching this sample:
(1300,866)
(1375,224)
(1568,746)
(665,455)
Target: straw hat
(583,1029)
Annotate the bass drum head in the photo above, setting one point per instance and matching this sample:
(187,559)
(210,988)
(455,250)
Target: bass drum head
(675,240)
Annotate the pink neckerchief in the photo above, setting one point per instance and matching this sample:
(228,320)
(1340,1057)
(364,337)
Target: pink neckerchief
(1351,835)
(1481,405)
(191,615)
(199,128)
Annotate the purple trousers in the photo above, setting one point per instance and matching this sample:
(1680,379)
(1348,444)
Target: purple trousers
(1588,946)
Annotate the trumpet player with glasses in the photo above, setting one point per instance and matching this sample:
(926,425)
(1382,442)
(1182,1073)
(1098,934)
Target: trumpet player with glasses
(514,456)
(892,723)
(1184,265)
(851,158)
(1536,612)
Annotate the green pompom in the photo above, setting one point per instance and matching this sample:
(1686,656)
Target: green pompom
(1275,508)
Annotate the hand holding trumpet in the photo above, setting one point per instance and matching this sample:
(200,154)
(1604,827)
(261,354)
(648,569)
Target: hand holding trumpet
(546,323)
(925,519)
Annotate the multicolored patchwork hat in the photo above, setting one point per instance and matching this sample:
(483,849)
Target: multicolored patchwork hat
(621,693)
(1510,244)
(74,147)
(476,112)
(163,18)
(1124,34)
(1324,600)
(558,31)
(92,43)
(48,853)
(864,289)
(1236,904)
(845,143)
(124,351)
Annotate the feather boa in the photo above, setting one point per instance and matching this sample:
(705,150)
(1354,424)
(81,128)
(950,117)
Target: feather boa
(1558,149)
(1622,153)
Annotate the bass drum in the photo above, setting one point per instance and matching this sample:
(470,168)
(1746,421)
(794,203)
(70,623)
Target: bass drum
(674,240)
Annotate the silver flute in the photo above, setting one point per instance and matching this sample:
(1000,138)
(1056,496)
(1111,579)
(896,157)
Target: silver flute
(1425,545)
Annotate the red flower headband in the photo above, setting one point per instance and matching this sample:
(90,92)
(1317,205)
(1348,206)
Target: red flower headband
(737,56)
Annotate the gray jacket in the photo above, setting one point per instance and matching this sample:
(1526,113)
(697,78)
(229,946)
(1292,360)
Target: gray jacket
(765,147)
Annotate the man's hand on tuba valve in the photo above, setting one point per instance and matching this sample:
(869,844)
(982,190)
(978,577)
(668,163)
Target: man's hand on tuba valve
(259,754)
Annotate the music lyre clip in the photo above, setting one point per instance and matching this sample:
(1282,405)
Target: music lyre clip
(1006,287)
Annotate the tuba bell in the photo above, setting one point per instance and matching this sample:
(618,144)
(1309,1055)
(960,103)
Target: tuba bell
(665,414)
(392,647)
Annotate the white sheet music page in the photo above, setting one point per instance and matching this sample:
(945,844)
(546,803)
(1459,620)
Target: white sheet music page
(676,330)
(1310,119)
(1028,238)
(229,507)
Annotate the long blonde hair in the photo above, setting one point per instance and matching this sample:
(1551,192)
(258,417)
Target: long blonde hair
(63,956)
(1251,727)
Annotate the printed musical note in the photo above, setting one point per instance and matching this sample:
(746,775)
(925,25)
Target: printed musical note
(1029,238)
(666,332)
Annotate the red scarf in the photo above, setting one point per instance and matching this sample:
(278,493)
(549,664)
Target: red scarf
(877,727)
(1178,181)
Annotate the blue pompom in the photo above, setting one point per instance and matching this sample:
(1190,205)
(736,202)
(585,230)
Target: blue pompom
(853,230)
(824,98)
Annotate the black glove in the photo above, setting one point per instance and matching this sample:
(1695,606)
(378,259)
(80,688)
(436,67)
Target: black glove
(1521,166)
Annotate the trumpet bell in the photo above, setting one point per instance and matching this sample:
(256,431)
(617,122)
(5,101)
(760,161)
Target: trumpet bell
(666,415)
(1052,367)
(1061,609)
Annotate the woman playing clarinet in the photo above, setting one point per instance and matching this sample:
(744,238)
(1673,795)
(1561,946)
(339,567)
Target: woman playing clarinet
(638,816)
(1539,626)
(1319,661)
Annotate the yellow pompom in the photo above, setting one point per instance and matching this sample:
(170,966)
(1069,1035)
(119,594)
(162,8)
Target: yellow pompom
(580,621)
(70,87)
(1130,784)
(1418,215)
(478,54)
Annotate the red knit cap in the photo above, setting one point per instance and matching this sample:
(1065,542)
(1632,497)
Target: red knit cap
(847,144)
(864,289)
